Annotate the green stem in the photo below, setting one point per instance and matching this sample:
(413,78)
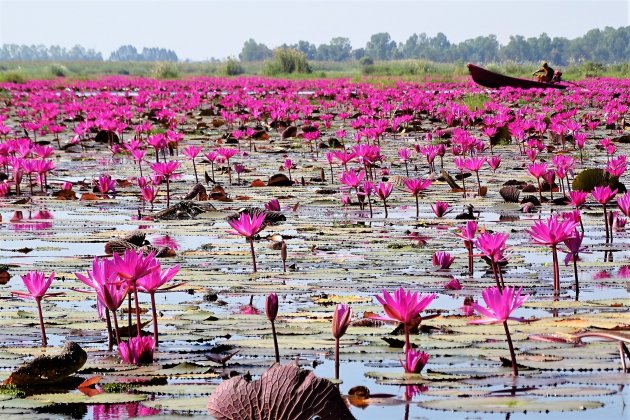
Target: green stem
(155,323)
(275,341)
(41,322)
(511,347)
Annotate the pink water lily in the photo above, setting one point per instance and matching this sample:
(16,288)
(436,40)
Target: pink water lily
(404,307)
(415,187)
(443,260)
(440,208)
(37,285)
(248,225)
(414,361)
(137,350)
(191,152)
(500,305)
(493,246)
(271,311)
(340,322)
(603,194)
(151,284)
(384,190)
(131,267)
(166,170)
(550,233)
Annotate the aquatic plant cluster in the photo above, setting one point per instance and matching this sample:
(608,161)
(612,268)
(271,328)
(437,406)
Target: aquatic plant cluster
(544,161)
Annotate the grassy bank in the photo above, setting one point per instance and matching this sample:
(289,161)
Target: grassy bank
(405,69)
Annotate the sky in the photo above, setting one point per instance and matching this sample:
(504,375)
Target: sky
(202,29)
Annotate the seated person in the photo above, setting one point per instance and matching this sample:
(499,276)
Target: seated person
(545,73)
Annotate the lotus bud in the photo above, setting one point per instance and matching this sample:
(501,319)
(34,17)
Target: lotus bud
(271,307)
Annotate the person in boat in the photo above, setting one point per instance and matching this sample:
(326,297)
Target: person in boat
(545,73)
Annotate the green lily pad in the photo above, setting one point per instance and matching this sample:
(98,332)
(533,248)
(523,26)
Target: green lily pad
(79,398)
(509,405)
(194,404)
(176,389)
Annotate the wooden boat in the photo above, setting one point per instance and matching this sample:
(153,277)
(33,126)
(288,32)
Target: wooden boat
(491,79)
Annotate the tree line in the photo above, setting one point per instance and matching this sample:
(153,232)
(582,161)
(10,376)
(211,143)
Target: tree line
(14,52)
(608,46)
(605,46)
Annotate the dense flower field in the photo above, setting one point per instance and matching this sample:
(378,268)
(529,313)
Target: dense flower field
(413,243)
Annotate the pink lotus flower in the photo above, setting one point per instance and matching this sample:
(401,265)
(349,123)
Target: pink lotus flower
(578,198)
(191,153)
(340,323)
(443,260)
(603,194)
(37,285)
(468,231)
(415,187)
(500,305)
(248,225)
(617,166)
(415,361)
(151,284)
(383,190)
(341,320)
(212,158)
(106,184)
(149,194)
(273,205)
(132,266)
(492,245)
(137,351)
(494,163)
(271,307)
(453,284)
(623,202)
(440,208)
(404,306)
(538,170)
(552,231)
(352,178)
(227,154)
(405,157)
(166,170)
(271,310)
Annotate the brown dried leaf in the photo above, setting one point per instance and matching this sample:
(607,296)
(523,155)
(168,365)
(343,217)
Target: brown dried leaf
(282,393)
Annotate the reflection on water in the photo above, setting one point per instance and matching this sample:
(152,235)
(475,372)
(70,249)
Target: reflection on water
(120,411)
(41,220)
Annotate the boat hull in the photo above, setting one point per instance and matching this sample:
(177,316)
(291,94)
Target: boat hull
(491,79)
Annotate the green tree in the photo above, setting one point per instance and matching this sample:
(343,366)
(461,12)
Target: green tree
(252,51)
(380,46)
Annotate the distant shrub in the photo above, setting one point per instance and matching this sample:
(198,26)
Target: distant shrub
(233,67)
(12,77)
(165,71)
(366,60)
(286,61)
(58,70)
(592,69)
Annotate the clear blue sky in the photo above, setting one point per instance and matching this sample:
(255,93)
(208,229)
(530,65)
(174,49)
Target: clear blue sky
(200,29)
